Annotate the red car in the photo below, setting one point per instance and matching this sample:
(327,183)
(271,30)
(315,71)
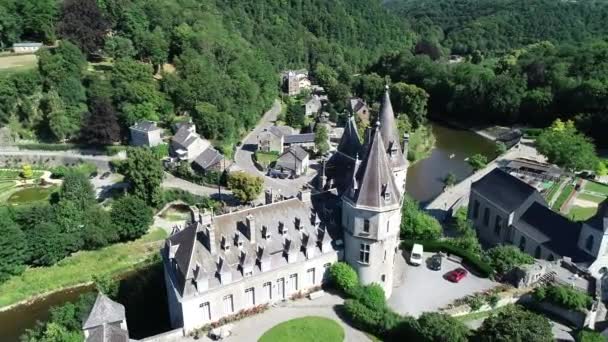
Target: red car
(456,275)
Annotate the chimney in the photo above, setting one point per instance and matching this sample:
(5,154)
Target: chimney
(201,279)
(194,213)
(250,219)
(210,240)
(206,218)
(304,195)
(171,248)
(406,144)
(268,196)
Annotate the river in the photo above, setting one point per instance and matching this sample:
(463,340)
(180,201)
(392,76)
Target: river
(143,292)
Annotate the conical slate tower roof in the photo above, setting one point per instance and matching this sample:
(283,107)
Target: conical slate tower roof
(104,311)
(390,133)
(374,185)
(350,144)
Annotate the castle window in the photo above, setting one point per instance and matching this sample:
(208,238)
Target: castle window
(537,252)
(589,243)
(366,226)
(476,209)
(522,243)
(497,225)
(486,217)
(364,253)
(383,278)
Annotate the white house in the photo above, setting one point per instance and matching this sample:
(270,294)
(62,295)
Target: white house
(26,47)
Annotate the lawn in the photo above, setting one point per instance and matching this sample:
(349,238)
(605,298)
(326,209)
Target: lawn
(550,192)
(305,329)
(266,158)
(581,213)
(81,266)
(17,63)
(590,198)
(563,196)
(596,187)
(14,174)
(31,194)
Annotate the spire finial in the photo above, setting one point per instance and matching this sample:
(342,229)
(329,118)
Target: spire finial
(386,87)
(377,123)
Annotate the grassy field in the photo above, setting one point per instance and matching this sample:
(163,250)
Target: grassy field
(12,64)
(265,158)
(590,198)
(305,329)
(596,187)
(563,196)
(577,213)
(552,190)
(80,267)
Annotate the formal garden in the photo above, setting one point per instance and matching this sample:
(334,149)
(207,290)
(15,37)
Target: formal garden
(305,329)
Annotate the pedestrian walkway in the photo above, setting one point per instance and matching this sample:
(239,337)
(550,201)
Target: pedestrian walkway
(252,328)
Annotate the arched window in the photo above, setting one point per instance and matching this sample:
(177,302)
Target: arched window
(589,243)
(537,252)
(522,243)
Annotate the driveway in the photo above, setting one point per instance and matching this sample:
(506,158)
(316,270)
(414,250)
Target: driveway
(244,154)
(418,289)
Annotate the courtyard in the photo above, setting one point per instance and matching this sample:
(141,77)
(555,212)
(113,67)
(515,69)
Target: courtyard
(419,289)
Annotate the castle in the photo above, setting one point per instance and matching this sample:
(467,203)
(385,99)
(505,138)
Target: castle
(219,265)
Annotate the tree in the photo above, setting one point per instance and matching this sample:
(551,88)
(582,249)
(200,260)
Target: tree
(156,47)
(372,296)
(26,171)
(344,278)
(295,116)
(101,125)
(132,216)
(98,229)
(77,188)
(437,327)
(39,23)
(505,258)
(47,244)
(119,47)
(563,145)
(14,252)
(245,187)
(563,295)
(418,225)
(589,336)
(322,139)
(410,100)
(450,179)
(514,323)
(83,23)
(144,173)
(478,161)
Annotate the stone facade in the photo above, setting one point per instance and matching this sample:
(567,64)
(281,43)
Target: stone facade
(146,133)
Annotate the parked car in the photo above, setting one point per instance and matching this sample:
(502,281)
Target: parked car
(457,275)
(435,262)
(416,255)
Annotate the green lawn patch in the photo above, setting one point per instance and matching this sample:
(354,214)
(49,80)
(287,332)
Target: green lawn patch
(552,190)
(590,198)
(29,195)
(266,158)
(563,196)
(80,267)
(596,187)
(577,213)
(305,329)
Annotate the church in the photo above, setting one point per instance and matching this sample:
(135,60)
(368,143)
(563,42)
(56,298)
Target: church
(218,265)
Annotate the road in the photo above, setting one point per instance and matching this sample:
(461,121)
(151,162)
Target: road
(440,206)
(244,154)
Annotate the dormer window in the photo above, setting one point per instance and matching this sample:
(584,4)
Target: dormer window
(238,241)
(298,223)
(224,242)
(282,228)
(366,226)
(266,233)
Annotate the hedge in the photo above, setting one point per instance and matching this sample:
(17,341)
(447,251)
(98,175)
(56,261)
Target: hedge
(108,150)
(477,263)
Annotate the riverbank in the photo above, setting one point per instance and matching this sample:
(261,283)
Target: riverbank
(78,270)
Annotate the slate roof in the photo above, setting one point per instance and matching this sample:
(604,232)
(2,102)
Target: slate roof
(300,138)
(597,221)
(288,159)
(27,44)
(552,230)
(208,158)
(503,189)
(192,251)
(350,143)
(280,131)
(374,178)
(104,311)
(184,136)
(108,333)
(145,126)
(390,133)
(356,104)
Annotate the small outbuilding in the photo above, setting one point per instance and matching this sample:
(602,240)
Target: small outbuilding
(146,133)
(26,47)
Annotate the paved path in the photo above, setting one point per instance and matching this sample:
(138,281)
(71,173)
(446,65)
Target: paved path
(447,199)
(244,153)
(172,182)
(252,328)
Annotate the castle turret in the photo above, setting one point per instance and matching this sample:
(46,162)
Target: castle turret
(392,142)
(371,210)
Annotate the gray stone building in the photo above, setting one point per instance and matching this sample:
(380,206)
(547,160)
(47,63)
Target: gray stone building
(106,322)
(506,210)
(358,107)
(146,133)
(273,138)
(305,140)
(313,106)
(219,265)
(295,162)
(187,145)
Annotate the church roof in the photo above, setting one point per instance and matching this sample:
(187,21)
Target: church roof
(104,311)
(390,133)
(350,143)
(374,185)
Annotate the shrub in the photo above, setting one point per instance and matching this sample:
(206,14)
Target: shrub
(475,302)
(478,264)
(439,327)
(478,161)
(505,258)
(589,336)
(418,225)
(372,296)
(492,299)
(378,322)
(344,278)
(564,296)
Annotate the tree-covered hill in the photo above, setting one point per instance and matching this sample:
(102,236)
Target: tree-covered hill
(227,56)
(500,25)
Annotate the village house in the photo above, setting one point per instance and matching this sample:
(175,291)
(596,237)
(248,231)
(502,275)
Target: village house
(313,106)
(506,210)
(187,145)
(295,81)
(359,108)
(304,140)
(146,133)
(272,138)
(293,162)
(216,266)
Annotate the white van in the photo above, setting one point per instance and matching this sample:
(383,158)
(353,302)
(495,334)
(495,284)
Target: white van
(416,255)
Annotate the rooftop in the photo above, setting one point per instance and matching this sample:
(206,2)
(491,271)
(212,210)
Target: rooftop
(300,138)
(208,158)
(104,311)
(503,189)
(145,126)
